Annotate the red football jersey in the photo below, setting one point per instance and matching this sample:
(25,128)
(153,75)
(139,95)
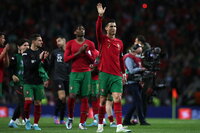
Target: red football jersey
(95,73)
(81,62)
(111,50)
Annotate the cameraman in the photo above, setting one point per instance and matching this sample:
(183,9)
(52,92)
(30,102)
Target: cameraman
(134,67)
(140,39)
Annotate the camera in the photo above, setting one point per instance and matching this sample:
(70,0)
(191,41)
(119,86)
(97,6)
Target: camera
(151,59)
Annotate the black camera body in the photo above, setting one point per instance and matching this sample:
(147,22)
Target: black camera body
(151,59)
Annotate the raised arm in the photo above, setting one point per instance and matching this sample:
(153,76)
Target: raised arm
(99,32)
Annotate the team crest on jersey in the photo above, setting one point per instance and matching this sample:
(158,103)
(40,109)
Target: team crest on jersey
(102,90)
(118,46)
(59,86)
(27,92)
(33,61)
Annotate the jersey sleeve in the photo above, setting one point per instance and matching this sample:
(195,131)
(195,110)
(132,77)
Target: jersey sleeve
(68,55)
(99,33)
(43,74)
(91,53)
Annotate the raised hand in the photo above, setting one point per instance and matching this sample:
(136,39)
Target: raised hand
(100,9)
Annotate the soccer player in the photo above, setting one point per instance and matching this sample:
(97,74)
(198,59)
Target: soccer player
(80,52)
(33,80)
(94,89)
(17,70)
(111,68)
(60,75)
(4,59)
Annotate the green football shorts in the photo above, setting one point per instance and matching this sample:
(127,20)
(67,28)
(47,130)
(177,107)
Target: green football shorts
(109,83)
(94,90)
(79,83)
(36,91)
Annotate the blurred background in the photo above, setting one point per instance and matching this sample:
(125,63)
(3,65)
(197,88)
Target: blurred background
(172,25)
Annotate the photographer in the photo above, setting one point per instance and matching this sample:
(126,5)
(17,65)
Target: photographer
(134,68)
(150,60)
(146,47)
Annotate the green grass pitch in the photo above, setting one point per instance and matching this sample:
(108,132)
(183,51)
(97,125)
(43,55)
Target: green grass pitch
(157,126)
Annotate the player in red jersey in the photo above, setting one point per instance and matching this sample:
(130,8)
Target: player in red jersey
(111,69)
(80,52)
(4,59)
(94,89)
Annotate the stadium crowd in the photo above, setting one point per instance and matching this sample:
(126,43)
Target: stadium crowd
(171,25)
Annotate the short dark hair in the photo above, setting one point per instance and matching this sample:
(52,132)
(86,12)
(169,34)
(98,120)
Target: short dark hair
(34,37)
(110,21)
(60,36)
(78,25)
(141,38)
(2,33)
(22,41)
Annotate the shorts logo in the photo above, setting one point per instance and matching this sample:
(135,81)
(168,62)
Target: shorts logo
(27,92)
(59,86)
(102,90)
(71,88)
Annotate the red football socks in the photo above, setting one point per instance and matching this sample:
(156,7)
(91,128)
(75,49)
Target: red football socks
(71,103)
(95,106)
(27,108)
(111,118)
(84,109)
(37,113)
(118,112)
(102,111)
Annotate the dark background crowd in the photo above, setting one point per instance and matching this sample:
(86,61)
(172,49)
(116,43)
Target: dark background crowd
(172,25)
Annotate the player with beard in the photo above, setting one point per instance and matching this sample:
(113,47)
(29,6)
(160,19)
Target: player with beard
(60,76)
(33,59)
(111,68)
